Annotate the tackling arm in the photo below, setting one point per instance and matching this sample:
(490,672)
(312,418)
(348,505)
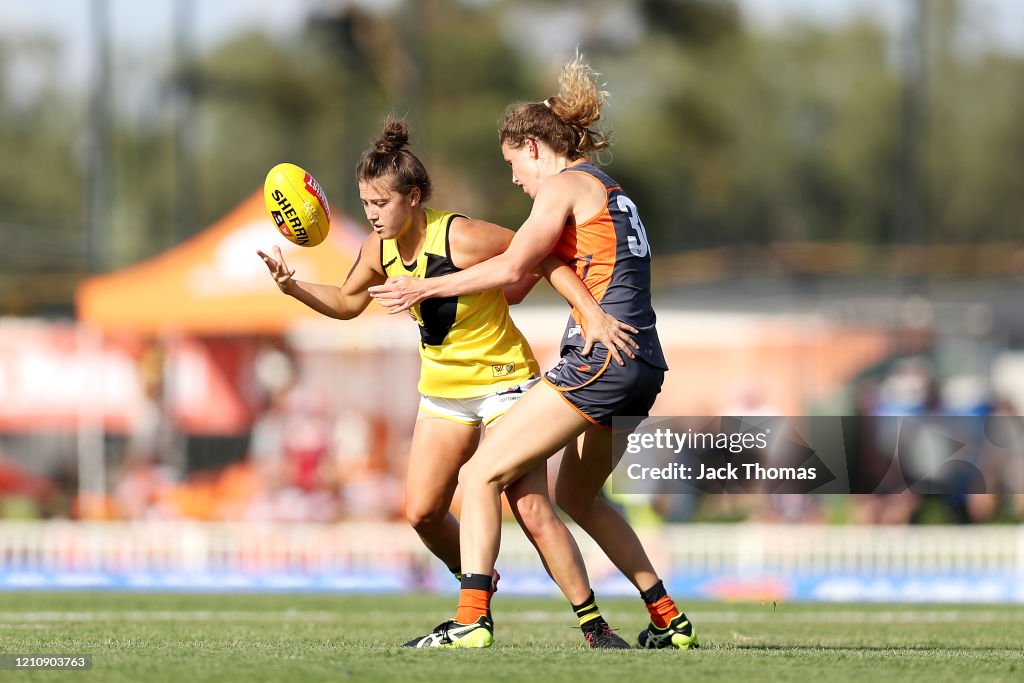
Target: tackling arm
(534,240)
(473,241)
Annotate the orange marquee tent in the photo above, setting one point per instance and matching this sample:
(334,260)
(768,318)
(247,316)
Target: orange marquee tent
(215,284)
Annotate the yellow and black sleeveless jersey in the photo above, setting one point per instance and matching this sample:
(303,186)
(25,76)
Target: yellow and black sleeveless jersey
(469,345)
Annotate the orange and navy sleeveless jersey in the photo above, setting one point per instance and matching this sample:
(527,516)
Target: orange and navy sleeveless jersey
(469,346)
(612,256)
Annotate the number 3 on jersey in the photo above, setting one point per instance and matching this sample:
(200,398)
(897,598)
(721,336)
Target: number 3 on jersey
(638,245)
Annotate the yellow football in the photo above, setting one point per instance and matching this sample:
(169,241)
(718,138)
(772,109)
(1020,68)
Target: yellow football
(297,204)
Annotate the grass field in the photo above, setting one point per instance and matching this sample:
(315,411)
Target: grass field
(193,638)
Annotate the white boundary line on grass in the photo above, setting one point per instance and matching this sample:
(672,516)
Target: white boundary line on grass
(849,616)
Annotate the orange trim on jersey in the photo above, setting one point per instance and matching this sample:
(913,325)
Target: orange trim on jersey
(604,189)
(590,246)
(569,403)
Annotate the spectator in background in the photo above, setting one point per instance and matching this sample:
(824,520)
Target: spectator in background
(1001,464)
(909,390)
(154,436)
(154,453)
(276,374)
(370,484)
(292,456)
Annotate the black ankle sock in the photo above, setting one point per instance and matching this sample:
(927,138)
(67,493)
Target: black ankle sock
(654,593)
(479,582)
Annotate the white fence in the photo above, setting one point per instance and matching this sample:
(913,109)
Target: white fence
(181,555)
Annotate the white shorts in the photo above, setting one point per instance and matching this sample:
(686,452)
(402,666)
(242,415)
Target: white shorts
(474,411)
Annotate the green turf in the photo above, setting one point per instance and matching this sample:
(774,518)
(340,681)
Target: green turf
(194,638)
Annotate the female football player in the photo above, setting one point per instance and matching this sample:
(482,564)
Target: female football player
(583,217)
(475,362)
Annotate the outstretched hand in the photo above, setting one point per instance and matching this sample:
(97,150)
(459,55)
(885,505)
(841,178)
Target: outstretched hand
(278,268)
(398,293)
(613,333)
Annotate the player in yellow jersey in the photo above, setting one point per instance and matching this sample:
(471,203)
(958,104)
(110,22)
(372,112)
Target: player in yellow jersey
(475,362)
(469,345)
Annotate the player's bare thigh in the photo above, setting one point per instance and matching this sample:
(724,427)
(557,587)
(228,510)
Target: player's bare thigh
(439,448)
(536,427)
(585,467)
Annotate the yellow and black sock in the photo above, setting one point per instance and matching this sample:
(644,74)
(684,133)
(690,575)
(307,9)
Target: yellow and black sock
(661,607)
(588,613)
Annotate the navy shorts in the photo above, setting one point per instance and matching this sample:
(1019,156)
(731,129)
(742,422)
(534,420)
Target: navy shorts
(601,389)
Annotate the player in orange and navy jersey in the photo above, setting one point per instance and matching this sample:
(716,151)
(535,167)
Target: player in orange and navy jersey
(582,216)
(475,363)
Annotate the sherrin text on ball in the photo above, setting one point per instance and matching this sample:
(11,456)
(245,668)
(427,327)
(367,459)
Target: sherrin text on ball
(297,204)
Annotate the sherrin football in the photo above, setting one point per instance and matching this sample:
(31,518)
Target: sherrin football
(297,204)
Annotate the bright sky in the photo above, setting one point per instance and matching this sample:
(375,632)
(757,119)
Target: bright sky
(996,22)
(138,26)
(135,26)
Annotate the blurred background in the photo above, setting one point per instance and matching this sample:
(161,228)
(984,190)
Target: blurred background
(833,189)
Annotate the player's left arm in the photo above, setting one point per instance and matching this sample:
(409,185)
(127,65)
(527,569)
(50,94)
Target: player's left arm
(598,326)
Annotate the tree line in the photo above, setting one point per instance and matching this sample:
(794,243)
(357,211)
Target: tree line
(726,133)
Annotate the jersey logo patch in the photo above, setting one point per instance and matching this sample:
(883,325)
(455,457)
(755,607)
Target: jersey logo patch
(503,369)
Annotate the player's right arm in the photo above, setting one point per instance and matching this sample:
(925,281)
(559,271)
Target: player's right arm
(527,248)
(344,302)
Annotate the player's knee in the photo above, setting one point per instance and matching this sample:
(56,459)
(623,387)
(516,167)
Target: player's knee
(476,474)
(424,517)
(535,514)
